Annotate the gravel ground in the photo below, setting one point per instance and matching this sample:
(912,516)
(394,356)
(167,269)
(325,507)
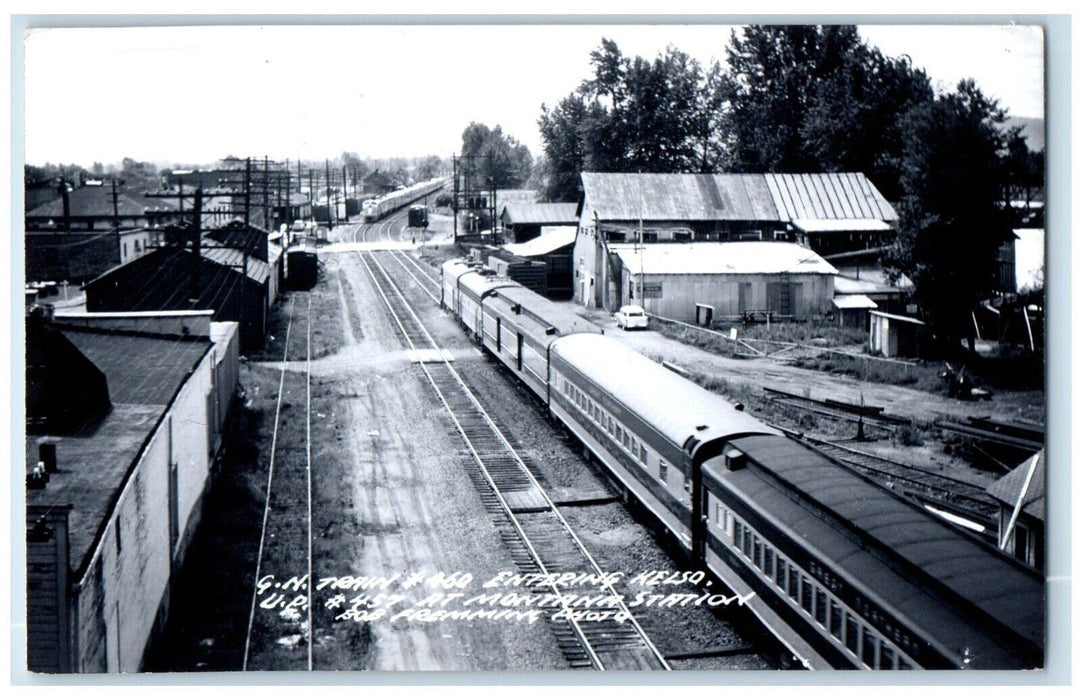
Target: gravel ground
(621,540)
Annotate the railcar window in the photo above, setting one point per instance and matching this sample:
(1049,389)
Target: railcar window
(663,470)
(768,561)
(886,656)
(779,575)
(805,593)
(729,523)
(836,620)
(757,551)
(746,544)
(821,606)
(852,638)
(738,530)
(794,584)
(867,651)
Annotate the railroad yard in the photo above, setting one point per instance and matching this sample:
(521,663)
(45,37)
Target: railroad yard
(344,444)
(688,380)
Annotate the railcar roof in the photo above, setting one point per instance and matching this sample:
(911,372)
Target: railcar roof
(675,406)
(479,284)
(813,496)
(548,313)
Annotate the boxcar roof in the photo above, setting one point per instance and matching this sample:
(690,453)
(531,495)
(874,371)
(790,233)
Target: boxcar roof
(915,562)
(676,407)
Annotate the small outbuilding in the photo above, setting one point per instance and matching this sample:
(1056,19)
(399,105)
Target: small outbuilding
(1021,495)
(891,335)
(525,220)
(553,248)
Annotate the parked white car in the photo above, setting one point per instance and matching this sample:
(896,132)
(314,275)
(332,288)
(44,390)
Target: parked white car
(631,316)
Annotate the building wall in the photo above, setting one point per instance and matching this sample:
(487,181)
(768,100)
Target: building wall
(127,583)
(675,296)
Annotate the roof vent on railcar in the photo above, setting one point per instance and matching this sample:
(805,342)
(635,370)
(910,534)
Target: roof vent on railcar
(735,459)
(550,330)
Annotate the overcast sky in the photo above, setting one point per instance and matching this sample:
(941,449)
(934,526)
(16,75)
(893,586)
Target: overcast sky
(195,94)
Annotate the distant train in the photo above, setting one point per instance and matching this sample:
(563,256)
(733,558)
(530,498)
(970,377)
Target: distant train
(376,209)
(845,573)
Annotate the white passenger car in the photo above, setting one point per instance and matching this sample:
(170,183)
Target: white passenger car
(631,316)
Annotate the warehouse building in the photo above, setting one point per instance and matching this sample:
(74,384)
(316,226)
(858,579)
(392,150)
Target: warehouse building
(175,278)
(524,221)
(654,209)
(125,415)
(742,280)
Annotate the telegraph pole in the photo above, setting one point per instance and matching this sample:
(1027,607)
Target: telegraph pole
(116,208)
(327,173)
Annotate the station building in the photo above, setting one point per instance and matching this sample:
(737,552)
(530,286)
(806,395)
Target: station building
(94,208)
(125,417)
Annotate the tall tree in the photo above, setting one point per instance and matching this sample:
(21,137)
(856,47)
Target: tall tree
(807,99)
(633,114)
(953,220)
(499,160)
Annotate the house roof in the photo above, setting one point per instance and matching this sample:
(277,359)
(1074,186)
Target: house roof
(542,213)
(554,238)
(896,317)
(709,258)
(97,201)
(735,197)
(258,270)
(143,374)
(1009,488)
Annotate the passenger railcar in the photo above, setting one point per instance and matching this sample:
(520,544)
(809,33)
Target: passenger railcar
(844,572)
(852,576)
(375,209)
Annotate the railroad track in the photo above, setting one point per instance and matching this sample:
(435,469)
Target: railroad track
(539,539)
(958,497)
(285,541)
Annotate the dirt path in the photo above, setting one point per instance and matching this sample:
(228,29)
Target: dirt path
(758,373)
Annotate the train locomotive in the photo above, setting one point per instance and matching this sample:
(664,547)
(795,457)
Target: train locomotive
(845,573)
(376,209)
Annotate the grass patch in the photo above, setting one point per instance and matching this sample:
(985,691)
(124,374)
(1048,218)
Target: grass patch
(818,333)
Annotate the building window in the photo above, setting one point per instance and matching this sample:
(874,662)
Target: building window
(649,236)
(682,236)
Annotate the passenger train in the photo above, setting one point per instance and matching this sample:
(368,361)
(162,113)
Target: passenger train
(376,209)
(846,574)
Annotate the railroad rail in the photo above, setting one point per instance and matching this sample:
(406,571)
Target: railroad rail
(537,536)
(285,522)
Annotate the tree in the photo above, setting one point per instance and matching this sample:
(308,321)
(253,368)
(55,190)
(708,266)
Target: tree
(498,160)
(430,167)
(632,115)
(817,99)
(953,221)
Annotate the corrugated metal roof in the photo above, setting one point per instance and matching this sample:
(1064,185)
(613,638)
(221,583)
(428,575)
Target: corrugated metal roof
(853,301)
(678,197)
(1010,486)
(829,196)
(257,269)
(554,238)
(541,213)
(804,197)
(708,258)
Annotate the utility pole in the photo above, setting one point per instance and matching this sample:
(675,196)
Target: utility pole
(247,221)
(116,208)
(454,200)
(197,236)
(327,173)
(266,194)
(345,191)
